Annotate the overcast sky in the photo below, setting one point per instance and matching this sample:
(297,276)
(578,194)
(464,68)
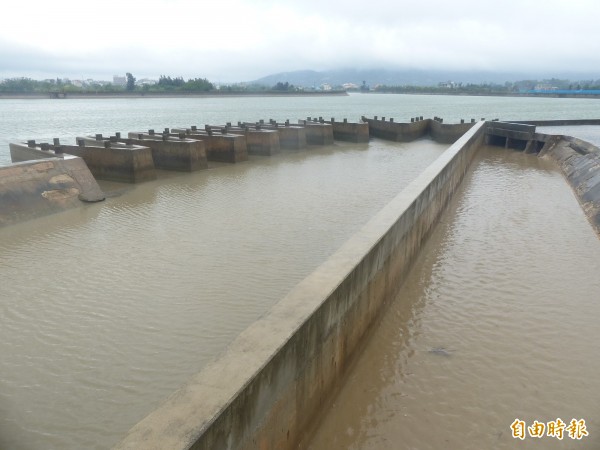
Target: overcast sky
(239,40)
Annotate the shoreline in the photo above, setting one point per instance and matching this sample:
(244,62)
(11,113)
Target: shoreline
(112,95)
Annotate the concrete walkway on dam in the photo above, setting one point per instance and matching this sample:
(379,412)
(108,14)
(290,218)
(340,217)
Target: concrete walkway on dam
(497,321)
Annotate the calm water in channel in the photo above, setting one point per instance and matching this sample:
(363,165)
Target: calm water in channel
(498,320)
(105,310)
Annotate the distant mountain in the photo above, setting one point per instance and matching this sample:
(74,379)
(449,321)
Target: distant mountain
(373,77)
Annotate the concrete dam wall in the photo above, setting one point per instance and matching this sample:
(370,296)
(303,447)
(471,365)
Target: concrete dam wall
(264,392)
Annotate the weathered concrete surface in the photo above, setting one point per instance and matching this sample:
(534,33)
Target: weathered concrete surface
(230,148)
(291,137)
(579,161)
(357,132)
(127,164)
(267,389)
(406,132)
(42,187)
(318,133)
(172,153)
(262,142)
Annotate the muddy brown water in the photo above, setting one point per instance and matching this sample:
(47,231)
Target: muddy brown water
(498,320)
(108,309)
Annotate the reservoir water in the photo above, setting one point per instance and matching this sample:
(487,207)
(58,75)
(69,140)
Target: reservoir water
(106,310)
(498,320)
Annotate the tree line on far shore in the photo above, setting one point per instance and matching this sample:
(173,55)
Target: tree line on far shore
(165,83)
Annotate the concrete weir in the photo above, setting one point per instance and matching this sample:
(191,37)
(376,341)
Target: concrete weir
(41,187)
(417,128)
(259,141)
(317,131)
(350,131)
(265,391)
(124,163)
(291,137)
(220,146)
(168,153)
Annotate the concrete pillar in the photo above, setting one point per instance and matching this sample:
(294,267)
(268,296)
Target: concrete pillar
(45,146)
(80,142)
(56,141)
(106,144)
(98,137)
(462,120)
(345,120)
(118,135)
(391,119)
(194,128)
(151,132)
(412,120)
(31,143)
(167,131)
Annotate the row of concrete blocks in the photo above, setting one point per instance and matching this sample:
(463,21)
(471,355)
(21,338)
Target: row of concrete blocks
(134,159)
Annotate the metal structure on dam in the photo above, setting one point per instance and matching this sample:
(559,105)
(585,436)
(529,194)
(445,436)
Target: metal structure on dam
(292,357)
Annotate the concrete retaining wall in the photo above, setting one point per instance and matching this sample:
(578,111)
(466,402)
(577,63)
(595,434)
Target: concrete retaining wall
(184,155)
(127,164)
(406,132)
(42,187)
(350,131)
(269,386)
(318,133)
(292,138)
(263,142)
(580,164)
(230,148)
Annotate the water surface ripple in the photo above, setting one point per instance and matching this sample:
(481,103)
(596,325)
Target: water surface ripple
(106,310)
(498,320)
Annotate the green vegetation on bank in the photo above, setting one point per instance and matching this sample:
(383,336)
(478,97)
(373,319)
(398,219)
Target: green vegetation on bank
(129,85)
(508,88)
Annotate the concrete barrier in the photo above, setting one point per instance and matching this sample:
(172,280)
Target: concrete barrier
(42,187)
(579,162)
(318,133)
(127,164)
(350,131)
(406,132)
(268,387)
(171,153)
(262,142)
(291,137)
(230,148)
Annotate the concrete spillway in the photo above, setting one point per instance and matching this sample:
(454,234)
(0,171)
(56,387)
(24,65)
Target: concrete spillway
(292,357)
